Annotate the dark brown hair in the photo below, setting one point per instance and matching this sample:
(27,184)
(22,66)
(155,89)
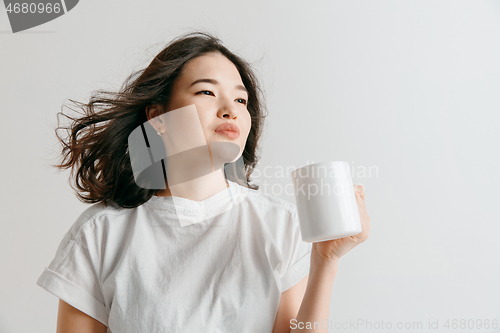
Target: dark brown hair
(96,147)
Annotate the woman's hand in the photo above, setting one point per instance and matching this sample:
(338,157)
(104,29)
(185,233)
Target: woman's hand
(334,249)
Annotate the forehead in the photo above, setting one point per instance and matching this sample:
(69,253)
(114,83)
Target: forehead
(210,66)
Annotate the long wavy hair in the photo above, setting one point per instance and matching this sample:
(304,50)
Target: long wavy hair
(96,145)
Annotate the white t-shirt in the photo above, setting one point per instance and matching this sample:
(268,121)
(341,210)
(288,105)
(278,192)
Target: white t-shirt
(146,269)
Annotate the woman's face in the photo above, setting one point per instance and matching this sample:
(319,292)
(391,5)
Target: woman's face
(222,100)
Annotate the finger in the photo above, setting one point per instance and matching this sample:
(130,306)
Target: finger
(360,189)
(364,218)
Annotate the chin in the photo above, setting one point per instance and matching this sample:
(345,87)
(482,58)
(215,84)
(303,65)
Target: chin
(225,151)
(237,157)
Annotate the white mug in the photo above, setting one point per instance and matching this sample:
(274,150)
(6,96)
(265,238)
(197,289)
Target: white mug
(326,203)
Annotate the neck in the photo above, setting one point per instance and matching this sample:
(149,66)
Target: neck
(196,189)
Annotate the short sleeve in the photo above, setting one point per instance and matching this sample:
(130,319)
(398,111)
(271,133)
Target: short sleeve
(297,254)
(72,277)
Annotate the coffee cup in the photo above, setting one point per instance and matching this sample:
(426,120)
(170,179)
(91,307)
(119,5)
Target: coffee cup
(326,202)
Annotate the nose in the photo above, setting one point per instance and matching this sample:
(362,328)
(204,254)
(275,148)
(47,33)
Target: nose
(226,110)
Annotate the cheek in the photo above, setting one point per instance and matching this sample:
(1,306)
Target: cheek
(248,123)
(204,123)
(248,127)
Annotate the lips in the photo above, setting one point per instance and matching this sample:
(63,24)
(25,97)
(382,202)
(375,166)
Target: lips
(229,130)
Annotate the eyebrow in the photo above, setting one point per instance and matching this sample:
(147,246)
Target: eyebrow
(212,81)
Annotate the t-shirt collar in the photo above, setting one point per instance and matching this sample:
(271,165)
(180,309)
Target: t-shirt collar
(190,211)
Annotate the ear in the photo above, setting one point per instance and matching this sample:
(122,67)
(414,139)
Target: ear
(153,113)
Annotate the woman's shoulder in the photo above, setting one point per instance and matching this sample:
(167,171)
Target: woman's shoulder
(95,216)
(269,201)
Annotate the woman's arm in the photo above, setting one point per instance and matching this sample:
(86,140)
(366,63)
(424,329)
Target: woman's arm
(288,307)
(72,320)
(325,256)
(314,311)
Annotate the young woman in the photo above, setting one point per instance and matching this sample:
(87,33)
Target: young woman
(177,239)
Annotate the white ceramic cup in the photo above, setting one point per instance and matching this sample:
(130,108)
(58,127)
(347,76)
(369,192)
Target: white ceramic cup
(326,202)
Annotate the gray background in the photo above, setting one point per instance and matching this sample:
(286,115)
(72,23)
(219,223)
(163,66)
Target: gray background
(408,88)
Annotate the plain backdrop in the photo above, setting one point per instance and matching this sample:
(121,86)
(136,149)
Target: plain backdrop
(407,92)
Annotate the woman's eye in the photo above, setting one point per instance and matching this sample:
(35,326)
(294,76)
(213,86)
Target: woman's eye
(242,100)
(204,91)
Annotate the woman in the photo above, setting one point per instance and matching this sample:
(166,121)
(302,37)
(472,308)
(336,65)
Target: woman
(205,250)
